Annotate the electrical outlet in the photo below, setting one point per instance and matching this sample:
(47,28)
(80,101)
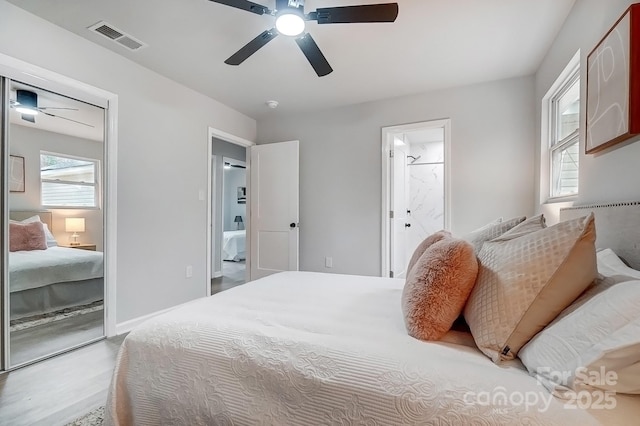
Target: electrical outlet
(188,271)
(328,262)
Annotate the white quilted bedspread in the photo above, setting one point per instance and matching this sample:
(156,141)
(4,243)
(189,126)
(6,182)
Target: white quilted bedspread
(302,348)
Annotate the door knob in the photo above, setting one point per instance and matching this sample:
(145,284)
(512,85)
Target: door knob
(292,225)
(407,225)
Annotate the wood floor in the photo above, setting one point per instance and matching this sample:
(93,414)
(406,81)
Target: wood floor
(58,390)
(233,274)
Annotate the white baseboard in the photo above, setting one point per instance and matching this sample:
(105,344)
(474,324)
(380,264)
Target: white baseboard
(217,274)
(127,326)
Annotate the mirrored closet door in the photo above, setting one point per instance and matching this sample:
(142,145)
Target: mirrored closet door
(55,225)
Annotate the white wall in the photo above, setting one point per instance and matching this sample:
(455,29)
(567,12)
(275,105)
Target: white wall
(611,175)
(28,142)
(162,160)
(340,166)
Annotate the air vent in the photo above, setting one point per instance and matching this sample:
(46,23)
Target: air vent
(112,33)
(129,42)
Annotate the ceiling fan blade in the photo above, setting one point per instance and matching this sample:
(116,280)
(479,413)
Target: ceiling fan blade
(252,47)
(314,55)
(68,119)
(256,8)
(387,12)
(29,118)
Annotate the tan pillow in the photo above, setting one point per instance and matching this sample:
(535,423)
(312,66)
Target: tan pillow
(491,231)
(530,225)
(27,236)
(524,283)
(425,244)
(437,288)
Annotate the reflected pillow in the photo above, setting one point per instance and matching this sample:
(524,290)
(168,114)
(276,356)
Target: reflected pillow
(51,240)
(27,236)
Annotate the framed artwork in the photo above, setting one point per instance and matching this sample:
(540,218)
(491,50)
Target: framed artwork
(613,84)
(242,195)
(16,173)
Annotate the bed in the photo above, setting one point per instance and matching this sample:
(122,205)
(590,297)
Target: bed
(233,245)
(43,281)
(305,348)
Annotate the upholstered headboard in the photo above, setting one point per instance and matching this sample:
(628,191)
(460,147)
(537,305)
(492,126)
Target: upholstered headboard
(617,227)
(45,216)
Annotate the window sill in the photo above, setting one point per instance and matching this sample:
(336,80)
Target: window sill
(562,199)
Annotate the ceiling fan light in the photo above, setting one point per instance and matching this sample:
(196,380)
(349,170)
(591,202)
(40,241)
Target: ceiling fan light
(290,24)
(26,110)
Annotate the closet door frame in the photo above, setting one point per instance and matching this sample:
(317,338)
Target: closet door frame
(15,69)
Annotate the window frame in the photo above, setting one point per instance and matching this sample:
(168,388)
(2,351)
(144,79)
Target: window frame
(554,145)
(95,184)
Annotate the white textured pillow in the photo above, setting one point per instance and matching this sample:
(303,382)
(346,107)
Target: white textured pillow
(525,282)
(601,334)
(609,264)
(490,231)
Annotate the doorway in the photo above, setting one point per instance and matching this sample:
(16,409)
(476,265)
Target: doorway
(415,189)
(228,254)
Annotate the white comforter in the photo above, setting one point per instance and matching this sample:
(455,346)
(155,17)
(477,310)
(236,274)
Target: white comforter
(302,348)
(37,268)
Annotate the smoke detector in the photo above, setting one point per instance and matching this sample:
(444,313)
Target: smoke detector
(272,104)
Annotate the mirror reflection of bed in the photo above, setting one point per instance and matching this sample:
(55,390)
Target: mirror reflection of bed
(56,293)
(233,219)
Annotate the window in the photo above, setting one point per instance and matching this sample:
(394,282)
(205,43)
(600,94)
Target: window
(564,147)
(68,181)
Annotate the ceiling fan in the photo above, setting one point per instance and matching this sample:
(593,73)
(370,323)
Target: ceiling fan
(26,103)
(290,21)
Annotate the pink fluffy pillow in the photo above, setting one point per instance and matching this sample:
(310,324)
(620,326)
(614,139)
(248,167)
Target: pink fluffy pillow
(437,288)
(27,236)
(428,242)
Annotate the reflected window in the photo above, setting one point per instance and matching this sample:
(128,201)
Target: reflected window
(68,181)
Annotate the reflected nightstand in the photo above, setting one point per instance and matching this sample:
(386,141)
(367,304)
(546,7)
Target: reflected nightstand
(81,246)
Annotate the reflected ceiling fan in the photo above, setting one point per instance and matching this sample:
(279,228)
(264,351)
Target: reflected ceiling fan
(26,103)
(290,21)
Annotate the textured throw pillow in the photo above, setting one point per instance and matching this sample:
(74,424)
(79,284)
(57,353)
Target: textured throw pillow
(491,231)
(595,338)
(524,283)
(437,288)
(51,240)
(530,225)
(424,245)
(27,236)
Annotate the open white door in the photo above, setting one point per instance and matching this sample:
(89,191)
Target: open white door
(400,208)
(274,208)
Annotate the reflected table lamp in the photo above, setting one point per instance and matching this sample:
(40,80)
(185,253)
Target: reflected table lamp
(75,225)
(238,221)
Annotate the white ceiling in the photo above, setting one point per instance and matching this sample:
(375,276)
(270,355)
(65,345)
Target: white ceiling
(433,44)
